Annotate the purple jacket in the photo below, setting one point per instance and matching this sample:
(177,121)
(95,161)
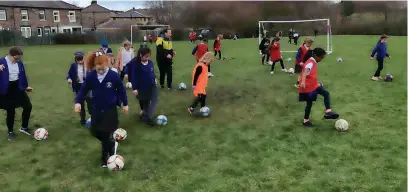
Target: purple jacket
(4,77)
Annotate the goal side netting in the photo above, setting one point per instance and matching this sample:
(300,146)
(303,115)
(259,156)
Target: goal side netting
(304,29)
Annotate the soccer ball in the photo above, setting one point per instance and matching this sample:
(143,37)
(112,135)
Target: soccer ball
(161,120)
(289,59)
(120,134)
(182,86)
(129,85)
(388,78)
(224,58)
(88,123)
(115,163)
(270,62)
(205,111)
(40,134)
(339,60)
(341,125)
(291,70)
(320,84)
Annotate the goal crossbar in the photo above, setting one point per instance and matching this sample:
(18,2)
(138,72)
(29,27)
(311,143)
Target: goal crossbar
(329,37)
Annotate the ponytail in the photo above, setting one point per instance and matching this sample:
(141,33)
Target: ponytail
(94,57)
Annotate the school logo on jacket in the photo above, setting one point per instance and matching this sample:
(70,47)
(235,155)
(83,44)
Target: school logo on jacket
(108,84)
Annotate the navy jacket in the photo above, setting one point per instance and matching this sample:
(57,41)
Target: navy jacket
(4,77)
(109,50)
(73,75)
(143,76)
(381,50)
(105,95)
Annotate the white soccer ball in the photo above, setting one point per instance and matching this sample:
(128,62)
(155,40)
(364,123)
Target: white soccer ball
(88,123)
(205,111)
(339,60)
(120,134)
(115,163)
(40,134)
(182,86)
(161,120)
(270,62)
(291,70)
(129,85)
(289,59)
(341,125)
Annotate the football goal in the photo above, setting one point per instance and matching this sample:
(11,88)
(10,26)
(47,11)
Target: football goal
(317,29)
(137,32)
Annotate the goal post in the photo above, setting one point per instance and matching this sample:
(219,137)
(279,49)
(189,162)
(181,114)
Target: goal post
(272,27)
(138,31)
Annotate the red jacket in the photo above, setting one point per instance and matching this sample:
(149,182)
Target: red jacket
(150,37)
(311,82)
(200,50)
(302,51)
(191,36)
(217,45)
(275,52)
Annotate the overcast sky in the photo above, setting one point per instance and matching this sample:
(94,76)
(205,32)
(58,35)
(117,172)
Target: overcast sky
(119,5)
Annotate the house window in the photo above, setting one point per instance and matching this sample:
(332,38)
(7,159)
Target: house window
(56,16)
(42,15)
(24,15)
(71,16)
(3,15)
(69,31)
(46,30)
(26,32)
(53,30)
(39,32)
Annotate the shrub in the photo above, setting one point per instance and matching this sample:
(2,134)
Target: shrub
(74,39)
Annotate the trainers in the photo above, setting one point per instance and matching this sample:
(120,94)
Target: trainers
(307,124)
(296,85)
(210,74)
(162,86)
(272,73)
(374,78)
(190,110)
(331,115)
(141,112)
(284,70)
(380,77)
(103,165)
(25,130)
(11,136)
(82,122)
(150,122)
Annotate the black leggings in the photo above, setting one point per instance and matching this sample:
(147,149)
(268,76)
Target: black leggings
(265,57)
(295,40)
(379,68)
(82,114)
(219,54)
(25,117)
(326,95)
(165,68)
(199,99)
(107,143)
(281,63)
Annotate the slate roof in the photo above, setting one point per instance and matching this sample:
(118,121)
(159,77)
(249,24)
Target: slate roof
(95,8)
(40,4)
(132,13)
(116,24)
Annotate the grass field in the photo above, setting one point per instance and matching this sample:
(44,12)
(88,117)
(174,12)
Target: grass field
(254,140)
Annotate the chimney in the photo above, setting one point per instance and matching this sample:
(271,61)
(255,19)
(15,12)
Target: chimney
(134,8)
(94,2)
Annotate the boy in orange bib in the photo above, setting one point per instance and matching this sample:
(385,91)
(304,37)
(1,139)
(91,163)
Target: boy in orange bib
(200,80)
(309,87)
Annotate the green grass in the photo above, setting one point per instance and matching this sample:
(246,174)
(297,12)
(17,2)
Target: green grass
(253,141)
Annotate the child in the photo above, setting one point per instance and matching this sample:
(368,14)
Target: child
(310,87)
(263,49)
(125,54)
(144,84)
(76,76)
(200,80)
(381,51)
(105,48)
(302,55)
(217,47)
(295,37)
(106,87)
(275,53)
(200,49)
(13,90)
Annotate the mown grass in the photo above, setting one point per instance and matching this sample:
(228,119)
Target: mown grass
(253,140)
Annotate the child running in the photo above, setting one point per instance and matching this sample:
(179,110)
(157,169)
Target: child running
(106,88)
(125,54)
(263,49)
(200,81)
(275,53)
(76,76)
(302,55)
(105,48)
(144,84)
(381,51)
(309,87)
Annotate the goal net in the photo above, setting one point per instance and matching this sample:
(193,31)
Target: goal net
(137,32)
(304,29)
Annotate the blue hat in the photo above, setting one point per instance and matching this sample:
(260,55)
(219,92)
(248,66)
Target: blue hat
(104,43)
(79,53)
